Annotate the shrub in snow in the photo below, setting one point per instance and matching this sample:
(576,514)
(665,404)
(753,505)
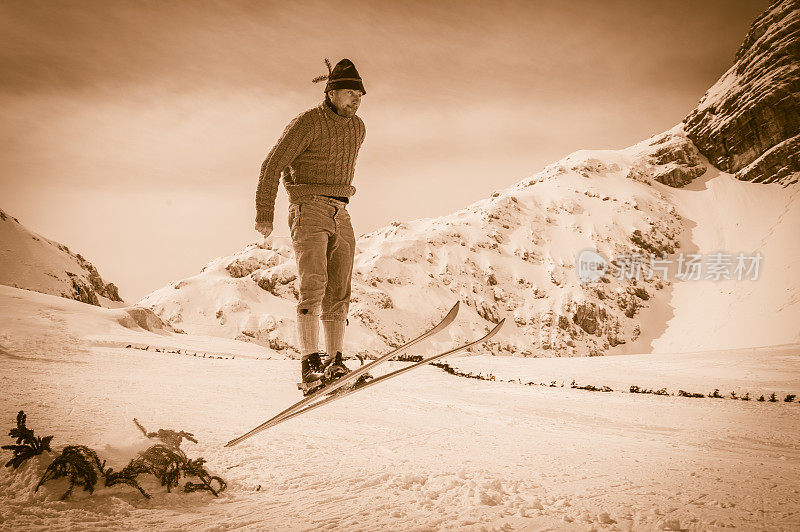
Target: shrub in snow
(81,465)
(636,389)
(77,464)
(169,437)
(408,358)
(242,267)
(27,444)
(591,388)
(447,368)
(166,461)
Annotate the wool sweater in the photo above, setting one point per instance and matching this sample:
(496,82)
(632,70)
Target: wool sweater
(315,155)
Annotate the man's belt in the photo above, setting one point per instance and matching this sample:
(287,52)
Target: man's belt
(340,198)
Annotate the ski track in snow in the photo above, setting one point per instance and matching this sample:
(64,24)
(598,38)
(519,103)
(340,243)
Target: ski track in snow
(422,452)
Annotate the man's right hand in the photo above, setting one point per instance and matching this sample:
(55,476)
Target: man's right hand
(265,228)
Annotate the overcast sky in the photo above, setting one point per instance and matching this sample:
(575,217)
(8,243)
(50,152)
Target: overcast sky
(133,132)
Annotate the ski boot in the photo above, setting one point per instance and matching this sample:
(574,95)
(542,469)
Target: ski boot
(335,369)
(312,373)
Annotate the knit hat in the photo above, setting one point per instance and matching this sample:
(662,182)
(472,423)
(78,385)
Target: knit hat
(343,76)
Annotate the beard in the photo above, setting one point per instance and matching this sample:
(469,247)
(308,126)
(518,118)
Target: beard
(347,110)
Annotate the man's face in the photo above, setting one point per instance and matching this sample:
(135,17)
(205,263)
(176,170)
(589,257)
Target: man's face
(346,101)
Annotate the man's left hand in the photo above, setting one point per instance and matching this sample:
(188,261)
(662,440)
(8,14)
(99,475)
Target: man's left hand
(265,228)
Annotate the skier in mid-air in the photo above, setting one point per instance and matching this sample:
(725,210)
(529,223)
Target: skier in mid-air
(316,156)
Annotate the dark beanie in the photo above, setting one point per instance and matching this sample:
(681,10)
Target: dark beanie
(343,76)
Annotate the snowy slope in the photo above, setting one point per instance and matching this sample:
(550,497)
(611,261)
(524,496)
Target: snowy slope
(425,451)
(29,318)
(30,261)
(726,214)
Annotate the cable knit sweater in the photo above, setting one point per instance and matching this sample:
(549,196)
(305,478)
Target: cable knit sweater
(316,155)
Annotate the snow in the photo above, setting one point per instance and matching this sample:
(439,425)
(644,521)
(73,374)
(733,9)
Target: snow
(29,260)
(738,216)
(424,451)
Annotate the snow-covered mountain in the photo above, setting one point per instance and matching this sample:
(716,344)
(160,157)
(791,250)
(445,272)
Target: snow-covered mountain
(30,261)
(514,254)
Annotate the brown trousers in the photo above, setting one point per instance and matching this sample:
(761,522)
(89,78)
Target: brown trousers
(324,246)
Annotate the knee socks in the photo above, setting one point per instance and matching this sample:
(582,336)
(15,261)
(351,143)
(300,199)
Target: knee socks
(334,336)
(308,333)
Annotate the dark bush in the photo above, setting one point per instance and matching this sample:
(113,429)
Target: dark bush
(77,463)
(27,444)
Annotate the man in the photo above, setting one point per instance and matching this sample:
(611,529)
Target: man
(316,156)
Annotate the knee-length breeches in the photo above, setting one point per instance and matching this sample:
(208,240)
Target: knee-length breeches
(324,246)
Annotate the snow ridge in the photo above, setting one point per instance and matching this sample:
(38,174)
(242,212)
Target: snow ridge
(32,262)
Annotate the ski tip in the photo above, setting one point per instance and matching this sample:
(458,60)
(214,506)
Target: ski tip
(451,315)
(453,311)
(496,329)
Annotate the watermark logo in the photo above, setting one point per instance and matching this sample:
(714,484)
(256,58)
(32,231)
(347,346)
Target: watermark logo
(591,266)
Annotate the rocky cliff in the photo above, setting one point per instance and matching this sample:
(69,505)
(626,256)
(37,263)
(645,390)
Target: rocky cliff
(748,123)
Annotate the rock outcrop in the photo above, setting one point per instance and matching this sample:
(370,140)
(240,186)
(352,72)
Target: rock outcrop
(669,158)
(133,317)
(748,123)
